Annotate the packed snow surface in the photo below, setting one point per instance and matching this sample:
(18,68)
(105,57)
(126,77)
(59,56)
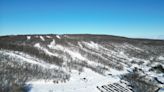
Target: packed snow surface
(28,37)
(48,36)
(83,82)
(161,58)
(42,38)
(58,36)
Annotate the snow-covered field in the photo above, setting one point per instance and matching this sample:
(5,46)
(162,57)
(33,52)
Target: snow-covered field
(87,81)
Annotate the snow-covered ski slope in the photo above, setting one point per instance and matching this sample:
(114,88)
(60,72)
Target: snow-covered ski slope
(81,63)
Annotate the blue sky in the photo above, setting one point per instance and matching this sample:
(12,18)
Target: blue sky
(132,18)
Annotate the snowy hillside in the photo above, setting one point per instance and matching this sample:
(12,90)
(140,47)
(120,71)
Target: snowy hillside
(80,63)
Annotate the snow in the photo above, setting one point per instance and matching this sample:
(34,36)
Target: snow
(161,90)
(74,54)
(81,46)
(126,45)
(91,45)
(45,50)
(92,52)
(161,57)
(53,43)
(42,38)
(28,59)
(115,72)
(58,36)
(28,37)
(37,45)
(84,82)
(11,54)
(48,36)
(99,48)
(77,83)
(57,47)
(161,79)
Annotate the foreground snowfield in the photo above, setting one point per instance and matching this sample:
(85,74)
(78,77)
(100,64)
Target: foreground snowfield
(84,82)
